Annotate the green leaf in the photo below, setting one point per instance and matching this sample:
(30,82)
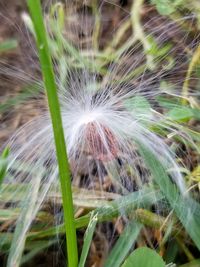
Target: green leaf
(123,245)
(165,101)
(180,114)
(88,239)
(153,46)
(178,111)
(137,104)
(156,50)
(186,209)
(167,7)
(183,114)
(144,257)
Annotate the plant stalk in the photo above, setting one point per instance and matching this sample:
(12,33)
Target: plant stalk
(54,107)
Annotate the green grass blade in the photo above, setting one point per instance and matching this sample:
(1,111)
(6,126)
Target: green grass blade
(142,198)
(3,164)
(125,204)
(54,107)
(123,245)
(8,45)
(186,209)
(23,223)
(88,239)
(171,251)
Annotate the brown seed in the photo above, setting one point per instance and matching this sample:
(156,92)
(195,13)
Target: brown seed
(101,145)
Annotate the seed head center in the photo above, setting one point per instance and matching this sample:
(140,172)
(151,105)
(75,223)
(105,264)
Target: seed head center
(89,116)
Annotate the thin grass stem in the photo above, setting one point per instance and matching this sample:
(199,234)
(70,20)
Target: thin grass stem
(54,107)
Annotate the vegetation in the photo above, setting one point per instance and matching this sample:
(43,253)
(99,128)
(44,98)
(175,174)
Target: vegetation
(124,117)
